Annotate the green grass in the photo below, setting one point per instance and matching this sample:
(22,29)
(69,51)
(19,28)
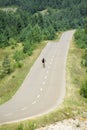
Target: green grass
(73,106)
(10,83)
(9,51)
(75,76)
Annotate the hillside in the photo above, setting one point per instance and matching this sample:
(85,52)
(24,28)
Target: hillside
(61,15)
(34,21)
(37,5)
(25,27)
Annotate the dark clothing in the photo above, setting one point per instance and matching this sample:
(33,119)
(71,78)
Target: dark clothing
(43,60)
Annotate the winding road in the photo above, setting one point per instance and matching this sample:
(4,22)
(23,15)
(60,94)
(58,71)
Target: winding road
(44,88)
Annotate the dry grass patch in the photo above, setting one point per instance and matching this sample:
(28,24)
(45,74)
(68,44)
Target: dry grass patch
(74,77)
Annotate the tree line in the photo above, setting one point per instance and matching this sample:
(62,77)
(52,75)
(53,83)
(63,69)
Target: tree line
(59,15)
(38,5)
(13,23)
(36,20)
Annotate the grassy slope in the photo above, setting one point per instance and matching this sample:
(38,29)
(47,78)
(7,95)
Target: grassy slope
(10,83)
(74,106)
(75,76)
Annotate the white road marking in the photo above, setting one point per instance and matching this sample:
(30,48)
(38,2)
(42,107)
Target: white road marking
(43,83)
(33,102)
(38,96)
(41,89)
(24,108)
(52,56)
(52,59)
(47,72)
(45,77)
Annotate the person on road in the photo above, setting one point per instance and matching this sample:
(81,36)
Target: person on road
(43,62)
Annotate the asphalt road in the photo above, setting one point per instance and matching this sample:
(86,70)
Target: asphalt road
(44,88)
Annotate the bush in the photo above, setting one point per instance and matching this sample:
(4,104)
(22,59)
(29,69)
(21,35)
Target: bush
(84,59)
(30,52)
(12,47)
(32,126)
(49,33)
(18,55)
(26,47)
(12,42)
(81,38)
(20,127)
(19,64)
(6,65)
(2,74)
(83,90)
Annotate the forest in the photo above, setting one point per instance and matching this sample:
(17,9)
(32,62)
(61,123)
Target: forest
(24,24)
(38,5)
(38,17)
(34,21)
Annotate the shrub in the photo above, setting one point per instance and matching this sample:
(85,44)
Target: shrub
(12,47)
(18,55)
(30,52)
(20,127)
(12,42)
(2,74)
(13,76)
(6,64)
(81,38)
(84,59)
(19,64)
(83,90)
(26,47)
(32,126)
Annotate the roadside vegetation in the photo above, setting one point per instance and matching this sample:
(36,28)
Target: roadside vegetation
(23,29)
(81,42)
(44,19)
(15,66)
(74,104)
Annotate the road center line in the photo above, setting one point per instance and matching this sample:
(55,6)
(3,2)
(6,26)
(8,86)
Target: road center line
(38,96)
(52,56)
(43,83)
(45,77)
(47,72)
(41,89)
(33,102)
(51,59)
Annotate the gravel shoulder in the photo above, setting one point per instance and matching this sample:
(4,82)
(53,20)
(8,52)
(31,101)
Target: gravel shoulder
(69,124)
